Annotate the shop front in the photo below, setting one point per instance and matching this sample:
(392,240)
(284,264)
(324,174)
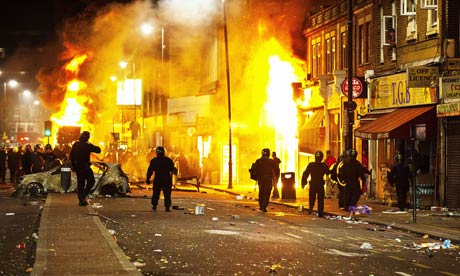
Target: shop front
(404,122)
(449,113)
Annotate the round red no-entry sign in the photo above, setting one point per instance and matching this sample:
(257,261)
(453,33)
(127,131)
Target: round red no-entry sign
(357,87)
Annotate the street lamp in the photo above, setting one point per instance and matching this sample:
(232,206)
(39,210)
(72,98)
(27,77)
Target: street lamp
(25,93)
(230,172)
(122,65)
(12,84)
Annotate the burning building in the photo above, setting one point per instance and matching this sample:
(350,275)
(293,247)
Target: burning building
(174,90)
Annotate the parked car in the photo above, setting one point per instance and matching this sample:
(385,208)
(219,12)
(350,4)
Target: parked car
(110,180)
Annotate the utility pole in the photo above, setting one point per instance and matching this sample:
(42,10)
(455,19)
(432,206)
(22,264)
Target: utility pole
(351,106)
(230,172)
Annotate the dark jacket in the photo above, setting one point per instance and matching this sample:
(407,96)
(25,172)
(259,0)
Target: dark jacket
(400,176)
(317,170)
(80,154)
(163,167)
(265,168)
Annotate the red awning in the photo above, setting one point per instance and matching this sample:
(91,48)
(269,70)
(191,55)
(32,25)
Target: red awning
(397,124)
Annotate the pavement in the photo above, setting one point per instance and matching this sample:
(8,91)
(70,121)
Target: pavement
(73,241)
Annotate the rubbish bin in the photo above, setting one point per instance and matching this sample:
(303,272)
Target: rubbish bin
(65,177)
(288,185)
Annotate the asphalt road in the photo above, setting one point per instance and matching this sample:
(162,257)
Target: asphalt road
(233,237)
(19,221)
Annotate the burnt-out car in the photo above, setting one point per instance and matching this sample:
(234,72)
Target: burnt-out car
(110,180)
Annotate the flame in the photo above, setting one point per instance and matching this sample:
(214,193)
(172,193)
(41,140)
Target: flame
(73,108)
(281,109)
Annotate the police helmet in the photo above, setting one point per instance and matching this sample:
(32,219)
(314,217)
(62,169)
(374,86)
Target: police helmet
(48,146)
(160,151)
(352,154)
(266,152)
(319,156)
(84,137)
(37,147)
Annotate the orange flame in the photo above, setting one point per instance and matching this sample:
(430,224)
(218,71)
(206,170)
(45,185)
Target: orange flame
(73,108)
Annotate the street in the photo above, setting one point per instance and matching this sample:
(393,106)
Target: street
(233,237)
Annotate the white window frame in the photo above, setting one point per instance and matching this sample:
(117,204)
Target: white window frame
(408,7)
(432,27)
(429,4)
(384,29)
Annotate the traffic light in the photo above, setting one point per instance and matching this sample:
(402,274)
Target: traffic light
(48,126)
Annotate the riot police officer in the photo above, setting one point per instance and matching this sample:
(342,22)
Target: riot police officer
(351,172)
(265,169)
(317,170)
(400,176)
(163,167)
(80,159)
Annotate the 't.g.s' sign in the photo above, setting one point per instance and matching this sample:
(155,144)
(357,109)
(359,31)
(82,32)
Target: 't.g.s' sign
(392,91)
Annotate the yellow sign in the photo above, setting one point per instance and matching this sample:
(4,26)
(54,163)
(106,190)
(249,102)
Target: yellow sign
(448,109)
(392,91)
(422,76)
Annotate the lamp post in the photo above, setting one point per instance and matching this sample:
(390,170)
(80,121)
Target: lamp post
(25,93)
(230,172)
(12,84)
(123,65)
(350,104)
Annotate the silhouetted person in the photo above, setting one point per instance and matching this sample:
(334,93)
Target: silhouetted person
(351,172)
(400,176)
(80,159)
(162,168)
(318,171)
(276,178)
(265,169)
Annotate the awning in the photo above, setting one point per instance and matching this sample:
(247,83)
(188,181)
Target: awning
(397,124)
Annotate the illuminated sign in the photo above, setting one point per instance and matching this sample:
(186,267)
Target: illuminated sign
(129,92)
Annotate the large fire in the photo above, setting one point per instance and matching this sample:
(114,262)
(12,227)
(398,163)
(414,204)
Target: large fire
(73,108)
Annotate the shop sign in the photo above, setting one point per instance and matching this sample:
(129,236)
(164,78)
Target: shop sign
(453,64)
(357,87)
(450,88)
(392,91)
(448,109)
(422,76)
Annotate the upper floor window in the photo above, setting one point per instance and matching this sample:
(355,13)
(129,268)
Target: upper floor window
(432,23)
(343,50)
(408,7)
(330,53)
(364,47)
(429,4)
(316,57)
